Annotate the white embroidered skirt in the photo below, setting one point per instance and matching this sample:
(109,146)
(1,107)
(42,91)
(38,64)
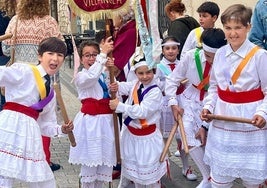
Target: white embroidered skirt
(21,149)
(140,157)
(237,149)
(95,140)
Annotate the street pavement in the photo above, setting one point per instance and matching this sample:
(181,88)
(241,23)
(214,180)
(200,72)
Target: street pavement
(68,175)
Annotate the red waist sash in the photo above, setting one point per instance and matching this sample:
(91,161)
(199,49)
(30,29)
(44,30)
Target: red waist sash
(22,109)
(142,132)
(95,107)
(241,97)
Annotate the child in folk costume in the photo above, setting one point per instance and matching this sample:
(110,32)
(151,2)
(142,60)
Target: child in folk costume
(208,14)
(25,117)
(238,86)
(195,67)
(170,49)
(94,131)
(141,140)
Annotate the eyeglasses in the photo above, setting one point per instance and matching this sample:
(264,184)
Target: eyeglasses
(89,55)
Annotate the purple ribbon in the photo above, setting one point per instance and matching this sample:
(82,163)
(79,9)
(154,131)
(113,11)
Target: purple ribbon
(129,119)
(42,103)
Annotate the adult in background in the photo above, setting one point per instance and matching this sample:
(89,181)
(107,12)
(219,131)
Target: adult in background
(125,40)
(258,32)
(33,25)
(181,24)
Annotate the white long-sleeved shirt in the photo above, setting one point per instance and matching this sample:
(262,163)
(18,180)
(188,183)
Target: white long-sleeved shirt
(148,109)
(20,87)
(86,81)
(185,69)
(252,76)
(191,42)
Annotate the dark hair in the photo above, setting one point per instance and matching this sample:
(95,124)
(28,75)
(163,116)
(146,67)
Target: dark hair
(52,44)
(143,59)
(213,37)
(88,43)
(169,38)
(166,39)
(237,12)
(209,7)
(140,60)
(100,35)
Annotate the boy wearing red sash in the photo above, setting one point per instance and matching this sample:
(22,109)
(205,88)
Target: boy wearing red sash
(29,112)
(94,131)
(141,140)
(238,84)
(195,67)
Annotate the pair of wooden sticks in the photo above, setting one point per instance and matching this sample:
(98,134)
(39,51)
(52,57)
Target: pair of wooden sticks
(183,137)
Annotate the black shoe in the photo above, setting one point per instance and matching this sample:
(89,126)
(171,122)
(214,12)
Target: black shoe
(54,166)
(117,167)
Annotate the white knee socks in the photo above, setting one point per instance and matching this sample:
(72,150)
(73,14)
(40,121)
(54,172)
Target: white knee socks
(197,154)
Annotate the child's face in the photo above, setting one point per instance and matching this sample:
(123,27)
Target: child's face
(209,56)
(170,52)
(144,75)
(51,61)
(235,33)
(89,54)
(206,20)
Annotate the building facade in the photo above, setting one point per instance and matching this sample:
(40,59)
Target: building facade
(69,22)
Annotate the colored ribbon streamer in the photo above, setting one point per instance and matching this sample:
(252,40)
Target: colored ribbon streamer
(144,36)
(42,103)
(154,30)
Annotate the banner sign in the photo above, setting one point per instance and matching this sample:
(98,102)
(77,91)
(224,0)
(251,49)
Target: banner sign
(96,9)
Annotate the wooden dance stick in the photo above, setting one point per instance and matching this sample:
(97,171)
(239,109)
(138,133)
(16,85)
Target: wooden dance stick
(182,132)
(229,118)
(115,120)
(64,113)
(168,142)
(184,81)
(172,133)
(5,36)
(109,27)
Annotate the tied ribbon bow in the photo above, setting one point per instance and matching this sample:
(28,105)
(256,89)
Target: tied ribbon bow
(172,66)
